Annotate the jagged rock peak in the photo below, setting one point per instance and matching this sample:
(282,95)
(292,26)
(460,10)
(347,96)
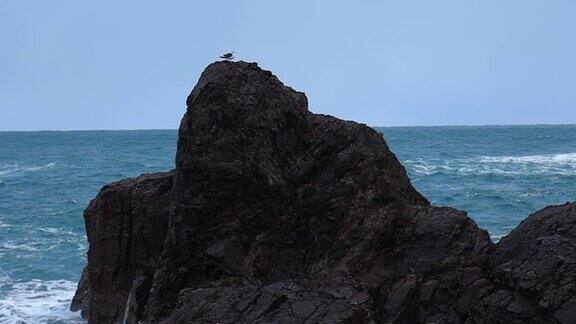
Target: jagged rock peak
(242,77)
(235,106)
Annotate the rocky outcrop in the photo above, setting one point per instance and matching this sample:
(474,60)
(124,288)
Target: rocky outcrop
(278,215)
(535,269)
(126,226)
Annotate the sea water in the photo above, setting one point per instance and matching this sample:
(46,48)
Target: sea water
(498,174)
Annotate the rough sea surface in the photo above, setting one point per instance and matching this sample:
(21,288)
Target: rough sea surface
(498,174)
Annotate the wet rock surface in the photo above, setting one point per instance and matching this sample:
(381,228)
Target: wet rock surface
(278,215)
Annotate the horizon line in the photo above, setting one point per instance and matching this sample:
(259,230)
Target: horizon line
(390,126)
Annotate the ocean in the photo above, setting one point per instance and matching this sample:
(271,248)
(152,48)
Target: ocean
(499,174)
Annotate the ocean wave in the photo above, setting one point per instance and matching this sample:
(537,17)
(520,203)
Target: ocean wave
(497,237)
(554,164)
(552,159)
(8,169)
(49,165)
(2,224)
(50,230)
(39,301)
(18,247)
(4,280)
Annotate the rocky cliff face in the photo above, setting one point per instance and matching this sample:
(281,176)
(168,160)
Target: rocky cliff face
(275,214)
(126,225)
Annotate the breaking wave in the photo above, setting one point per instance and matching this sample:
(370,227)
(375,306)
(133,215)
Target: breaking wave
(554,164)
(8,169)
(553,159)
(38,301)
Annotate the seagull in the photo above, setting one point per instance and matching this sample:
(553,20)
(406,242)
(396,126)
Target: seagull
(228,56)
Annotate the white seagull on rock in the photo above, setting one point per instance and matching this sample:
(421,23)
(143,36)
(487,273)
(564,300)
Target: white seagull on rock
(228,56)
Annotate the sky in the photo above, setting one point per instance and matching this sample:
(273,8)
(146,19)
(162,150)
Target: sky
(69,64)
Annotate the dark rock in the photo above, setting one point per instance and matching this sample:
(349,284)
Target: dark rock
(536,265)
(81,300)
(276,190)
(126,226)
(279,215)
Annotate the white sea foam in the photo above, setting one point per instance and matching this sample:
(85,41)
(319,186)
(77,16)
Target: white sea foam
(554,159)
(42,167)
(4,279)
(554,164)
(8,169)
(39,301)
(20,247)
(50,230)
(2,224)
(497,237)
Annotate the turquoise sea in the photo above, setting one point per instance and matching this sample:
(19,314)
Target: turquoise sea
(499,174)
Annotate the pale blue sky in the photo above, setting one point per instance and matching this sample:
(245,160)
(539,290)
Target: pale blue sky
(70,64)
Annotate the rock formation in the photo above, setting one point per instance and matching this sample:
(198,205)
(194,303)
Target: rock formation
(126,226)
(278,215)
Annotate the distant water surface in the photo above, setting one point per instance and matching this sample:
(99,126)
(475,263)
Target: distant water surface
(46,181)
(498,174)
